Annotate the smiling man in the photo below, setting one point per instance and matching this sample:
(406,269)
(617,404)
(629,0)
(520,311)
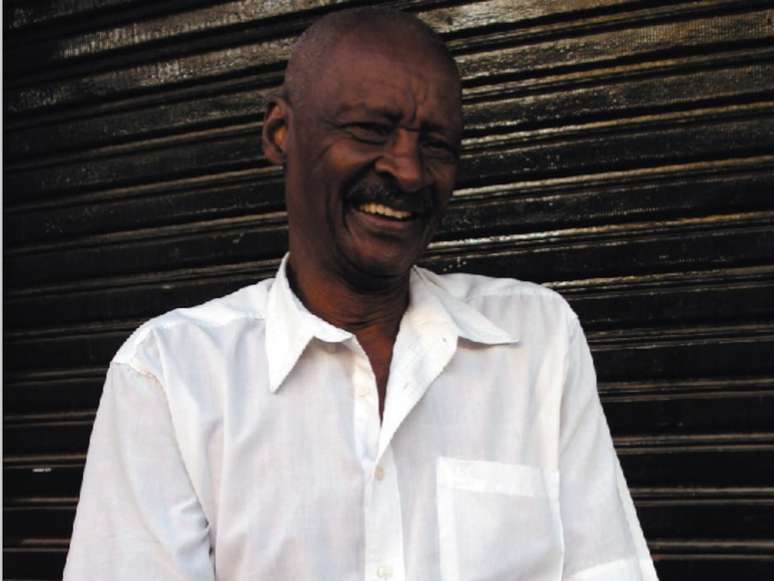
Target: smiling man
(357,417)
(369,133)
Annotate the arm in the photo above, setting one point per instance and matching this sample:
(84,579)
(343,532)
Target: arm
(138,518)
(603,538)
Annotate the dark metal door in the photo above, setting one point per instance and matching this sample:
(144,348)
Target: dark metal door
(620,152)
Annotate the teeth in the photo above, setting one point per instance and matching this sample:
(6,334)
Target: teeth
(382,210)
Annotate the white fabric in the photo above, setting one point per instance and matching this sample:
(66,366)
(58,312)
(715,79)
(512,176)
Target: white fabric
(241,440)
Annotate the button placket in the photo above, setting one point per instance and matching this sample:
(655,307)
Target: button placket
(384,571)
(365,413)
(413,377)
(384,524)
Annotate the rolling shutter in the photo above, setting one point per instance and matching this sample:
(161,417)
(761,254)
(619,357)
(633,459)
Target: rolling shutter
(620,152)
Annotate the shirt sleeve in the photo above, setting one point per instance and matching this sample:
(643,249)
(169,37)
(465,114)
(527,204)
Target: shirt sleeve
(138,518)
(602,536)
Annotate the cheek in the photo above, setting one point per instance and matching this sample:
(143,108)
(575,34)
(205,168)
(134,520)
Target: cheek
(345,158)
(445,177)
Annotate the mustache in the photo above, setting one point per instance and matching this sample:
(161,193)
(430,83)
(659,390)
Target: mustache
(390,194)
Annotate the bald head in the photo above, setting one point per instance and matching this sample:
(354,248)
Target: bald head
(357,27)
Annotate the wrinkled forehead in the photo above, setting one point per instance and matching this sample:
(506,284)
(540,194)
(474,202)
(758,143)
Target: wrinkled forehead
(397,74)
(397,44)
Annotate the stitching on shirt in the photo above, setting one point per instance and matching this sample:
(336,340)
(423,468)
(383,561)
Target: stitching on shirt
(168,321)
(144,372)
(536,291)
(514,288)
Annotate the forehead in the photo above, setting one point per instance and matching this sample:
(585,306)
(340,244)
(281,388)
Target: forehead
(408,79)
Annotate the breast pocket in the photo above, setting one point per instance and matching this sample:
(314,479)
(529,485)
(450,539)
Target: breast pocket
(498,522)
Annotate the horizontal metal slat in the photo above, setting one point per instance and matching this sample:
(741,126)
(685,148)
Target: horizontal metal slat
(660,193)
(178,21)
(55,437)
(618,146)
(76,392)
(710,242)
(545,257)
(144,299)
(742,519)
(597,48)
(46,483)
(49,522)
(696,413)
(95,36)
(213,153)
(702,296)
(663,354)
(676,85)
(658,415)
(131,128)
(720,357)
(588,50)
(683,464)
(738,295)
(711,470)
(37,563)
(740,76)
(718,566)
(41,564)
(206,17)
(23,15)
(708,134)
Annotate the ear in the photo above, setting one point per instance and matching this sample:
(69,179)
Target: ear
(275,130)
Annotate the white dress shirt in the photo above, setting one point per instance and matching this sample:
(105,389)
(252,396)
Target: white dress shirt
(241,440)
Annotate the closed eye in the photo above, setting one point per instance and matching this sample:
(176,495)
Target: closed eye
(439,148)
(370,132)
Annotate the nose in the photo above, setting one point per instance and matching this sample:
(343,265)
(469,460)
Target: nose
(402,159)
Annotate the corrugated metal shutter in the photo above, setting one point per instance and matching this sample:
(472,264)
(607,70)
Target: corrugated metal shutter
(618,151)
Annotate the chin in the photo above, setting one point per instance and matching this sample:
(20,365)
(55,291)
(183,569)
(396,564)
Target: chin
(375,269)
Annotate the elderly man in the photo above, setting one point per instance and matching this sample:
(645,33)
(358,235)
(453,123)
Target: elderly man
(357,417)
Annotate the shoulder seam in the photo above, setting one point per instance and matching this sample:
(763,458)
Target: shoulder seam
(157,323)
(137,370)
(517,288)
(202,322)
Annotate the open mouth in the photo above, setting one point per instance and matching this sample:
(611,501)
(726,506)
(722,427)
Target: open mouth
(377,209)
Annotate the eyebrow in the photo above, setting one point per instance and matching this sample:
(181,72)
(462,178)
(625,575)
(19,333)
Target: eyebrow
(393,115)
(386,112)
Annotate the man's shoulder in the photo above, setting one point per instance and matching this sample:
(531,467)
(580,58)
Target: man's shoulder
(471,287)
(533,313)
(245,303)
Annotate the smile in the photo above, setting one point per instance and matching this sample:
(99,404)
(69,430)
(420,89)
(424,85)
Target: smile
(382,210)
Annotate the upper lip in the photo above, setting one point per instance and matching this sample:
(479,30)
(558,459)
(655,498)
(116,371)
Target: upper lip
(418,203)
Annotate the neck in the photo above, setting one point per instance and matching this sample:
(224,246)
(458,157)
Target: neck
(371,311)
(368,309)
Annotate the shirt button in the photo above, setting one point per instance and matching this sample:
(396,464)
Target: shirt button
(379,473)
(361,391)
(384,572)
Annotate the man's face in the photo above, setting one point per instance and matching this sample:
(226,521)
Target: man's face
(372,157)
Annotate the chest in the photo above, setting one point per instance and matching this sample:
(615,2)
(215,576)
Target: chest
(312,469)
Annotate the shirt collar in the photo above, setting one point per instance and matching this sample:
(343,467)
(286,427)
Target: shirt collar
(290,326)
(430,294)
